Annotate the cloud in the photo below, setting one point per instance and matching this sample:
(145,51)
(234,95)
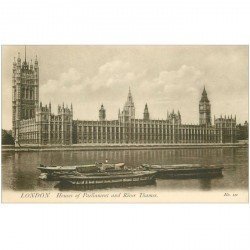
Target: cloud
(66,81)
(115,73)
(169,84)
(180,82)
(112,67)
(173,89)
(110,76)
(110,86)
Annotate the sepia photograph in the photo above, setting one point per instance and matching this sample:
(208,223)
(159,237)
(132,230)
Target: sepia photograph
(125,125)
(138,124)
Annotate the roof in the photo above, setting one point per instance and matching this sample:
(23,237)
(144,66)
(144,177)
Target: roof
(204,96)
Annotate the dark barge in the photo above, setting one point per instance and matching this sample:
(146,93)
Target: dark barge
(183,171)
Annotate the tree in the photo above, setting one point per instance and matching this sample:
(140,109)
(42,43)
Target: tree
(242,131)
(7,138)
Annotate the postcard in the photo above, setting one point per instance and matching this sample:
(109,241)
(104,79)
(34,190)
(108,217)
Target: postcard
(125,124)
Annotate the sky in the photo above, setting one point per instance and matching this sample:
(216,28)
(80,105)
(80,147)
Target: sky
(164,77)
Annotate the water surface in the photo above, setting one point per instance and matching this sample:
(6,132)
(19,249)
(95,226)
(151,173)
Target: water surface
(19,170)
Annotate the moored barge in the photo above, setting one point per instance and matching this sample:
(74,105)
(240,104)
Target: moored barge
(185,171)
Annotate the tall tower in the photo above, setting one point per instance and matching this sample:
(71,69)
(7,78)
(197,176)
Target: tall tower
(128,111)
(25,91)
(146,113)
(205,109)
(102,113)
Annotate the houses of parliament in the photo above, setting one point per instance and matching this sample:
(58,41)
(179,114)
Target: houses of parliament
(34,123)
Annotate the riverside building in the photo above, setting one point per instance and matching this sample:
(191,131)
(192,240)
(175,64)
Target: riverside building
(35,124)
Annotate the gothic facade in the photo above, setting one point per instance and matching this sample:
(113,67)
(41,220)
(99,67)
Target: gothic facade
(25,92)
(35,124)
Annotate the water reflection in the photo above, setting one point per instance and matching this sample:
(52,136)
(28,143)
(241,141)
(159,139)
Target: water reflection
(205,184)
(19,169)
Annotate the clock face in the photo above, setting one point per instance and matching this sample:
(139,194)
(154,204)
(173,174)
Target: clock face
(204,107)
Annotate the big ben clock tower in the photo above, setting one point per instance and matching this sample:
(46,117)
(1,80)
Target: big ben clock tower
(205,109)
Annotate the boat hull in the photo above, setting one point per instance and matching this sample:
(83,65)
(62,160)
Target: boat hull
(183,172)
(102,181)
(52,173)
(56,169)
(208,173)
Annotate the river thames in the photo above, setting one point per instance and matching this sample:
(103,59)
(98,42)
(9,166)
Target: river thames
(19,169)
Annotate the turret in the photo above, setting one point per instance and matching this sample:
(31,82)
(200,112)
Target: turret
(174,117)
(179,116)
(14,63)
(50,107)
(31,65)
(36,62)
(102,113)
(18,60)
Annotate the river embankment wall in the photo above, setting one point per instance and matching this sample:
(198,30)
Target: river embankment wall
(101,147)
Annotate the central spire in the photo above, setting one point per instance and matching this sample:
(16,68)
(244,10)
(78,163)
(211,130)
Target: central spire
(130,98)
(128,111)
